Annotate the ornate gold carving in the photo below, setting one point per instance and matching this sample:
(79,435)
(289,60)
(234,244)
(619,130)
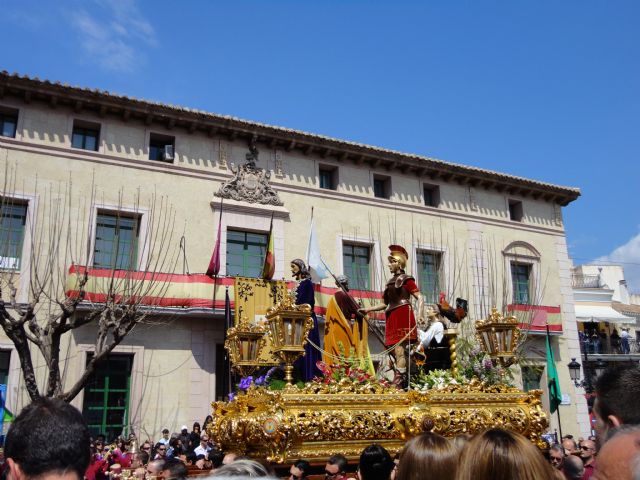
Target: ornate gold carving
(320,420)
(245,343)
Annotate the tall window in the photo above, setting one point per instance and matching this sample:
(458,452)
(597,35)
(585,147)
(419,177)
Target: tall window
(245,253)
(429,275)
(106,397)
(85,136)
(356,260)
(116,241)
(13,217)
(521,280)
(8,122)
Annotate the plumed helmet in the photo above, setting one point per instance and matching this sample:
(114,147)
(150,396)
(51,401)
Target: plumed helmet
(398,253)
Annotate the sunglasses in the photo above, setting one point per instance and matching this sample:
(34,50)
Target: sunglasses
(583,447)
(330,475)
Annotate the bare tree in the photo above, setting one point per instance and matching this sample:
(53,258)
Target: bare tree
(56,289)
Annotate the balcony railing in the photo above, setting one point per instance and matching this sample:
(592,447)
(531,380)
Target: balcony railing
(585,281)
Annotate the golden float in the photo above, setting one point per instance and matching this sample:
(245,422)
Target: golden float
(322,419)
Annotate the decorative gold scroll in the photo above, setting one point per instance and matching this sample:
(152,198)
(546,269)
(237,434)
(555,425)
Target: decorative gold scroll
(252,298)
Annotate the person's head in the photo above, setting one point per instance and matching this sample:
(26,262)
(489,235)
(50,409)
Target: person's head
(573,467)
(342,281)
(299,470)
(204,439)
(502,455)
(428,452)
(587,450)
(397,258)
(161,449)
(121,443)
(48,437)
(216,456)
(299,269)
(375,463)
(174,469)
(617,393)
(242,468)
(146,447)
(556,456)
(154,467)
(196,427)
(140,459)
(336,467)
(570,447)
(165,434)
(184,429)
(207,421)
(619,457)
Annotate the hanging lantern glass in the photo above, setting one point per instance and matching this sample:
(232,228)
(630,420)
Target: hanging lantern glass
(498,337)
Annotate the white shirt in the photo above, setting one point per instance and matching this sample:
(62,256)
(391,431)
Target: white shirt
(200,450)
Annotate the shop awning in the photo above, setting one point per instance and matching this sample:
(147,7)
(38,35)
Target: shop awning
(601,313)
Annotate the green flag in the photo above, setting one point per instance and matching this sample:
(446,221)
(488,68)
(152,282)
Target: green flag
(555,396)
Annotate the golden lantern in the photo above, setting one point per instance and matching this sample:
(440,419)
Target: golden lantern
(289,325)
(498,336)
(245,343)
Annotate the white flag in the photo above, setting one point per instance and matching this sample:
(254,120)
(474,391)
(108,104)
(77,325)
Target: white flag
(316,266)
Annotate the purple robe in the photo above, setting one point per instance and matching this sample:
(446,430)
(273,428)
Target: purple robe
(307,364)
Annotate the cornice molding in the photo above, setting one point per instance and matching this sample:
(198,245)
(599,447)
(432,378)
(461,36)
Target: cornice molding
(102,103)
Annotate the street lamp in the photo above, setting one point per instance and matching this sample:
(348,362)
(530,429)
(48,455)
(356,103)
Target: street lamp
(574,372)
(600,367)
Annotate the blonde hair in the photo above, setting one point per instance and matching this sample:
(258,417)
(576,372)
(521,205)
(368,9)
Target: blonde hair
(428,453)
(503,455)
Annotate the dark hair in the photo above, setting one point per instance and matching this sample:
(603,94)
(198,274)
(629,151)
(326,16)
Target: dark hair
(176,468)
(216,456)
(66,445)
(428,452)
(618,390)
(375,463)
(166,430)
(195,424)
(340,461)
(304,271)
(304,466)
(143,457)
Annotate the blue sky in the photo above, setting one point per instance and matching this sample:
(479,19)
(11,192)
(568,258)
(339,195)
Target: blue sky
(546,90)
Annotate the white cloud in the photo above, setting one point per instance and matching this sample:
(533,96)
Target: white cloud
(114,36)
(628,255)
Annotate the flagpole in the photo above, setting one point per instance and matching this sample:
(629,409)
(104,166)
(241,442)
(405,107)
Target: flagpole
(558,407)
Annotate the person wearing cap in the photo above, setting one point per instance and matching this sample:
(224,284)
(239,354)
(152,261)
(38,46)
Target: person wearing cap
(400,319)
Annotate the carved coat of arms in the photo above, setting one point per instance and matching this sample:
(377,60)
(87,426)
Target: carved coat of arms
(250,183)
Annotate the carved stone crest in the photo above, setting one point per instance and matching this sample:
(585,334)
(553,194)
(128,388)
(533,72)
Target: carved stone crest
(250,183)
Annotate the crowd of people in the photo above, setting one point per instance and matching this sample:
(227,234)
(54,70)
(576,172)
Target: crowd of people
(496,454)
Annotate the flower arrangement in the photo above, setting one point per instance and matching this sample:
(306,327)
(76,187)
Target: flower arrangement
(271,380)
(345,372)
(435,379)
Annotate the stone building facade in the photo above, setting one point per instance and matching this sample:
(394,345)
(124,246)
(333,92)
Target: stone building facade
(496,239)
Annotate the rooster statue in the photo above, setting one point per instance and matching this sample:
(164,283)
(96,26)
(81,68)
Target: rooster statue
(457,314)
